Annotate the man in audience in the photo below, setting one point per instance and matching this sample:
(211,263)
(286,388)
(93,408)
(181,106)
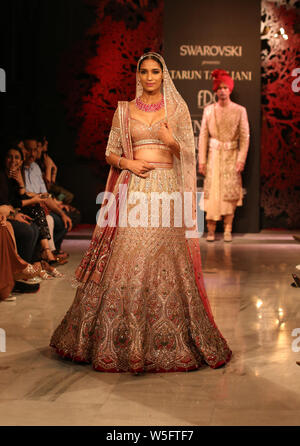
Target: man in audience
(34,183)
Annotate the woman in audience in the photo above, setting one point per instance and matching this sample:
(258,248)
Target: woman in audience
(49,169)
(12,267)
(63,196)
(46,163)
(26,232)
(12,191)
(35,183)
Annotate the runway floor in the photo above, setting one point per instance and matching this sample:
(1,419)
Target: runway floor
(248,283)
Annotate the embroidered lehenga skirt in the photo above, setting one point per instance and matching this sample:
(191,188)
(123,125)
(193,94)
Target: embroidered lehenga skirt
(146,314)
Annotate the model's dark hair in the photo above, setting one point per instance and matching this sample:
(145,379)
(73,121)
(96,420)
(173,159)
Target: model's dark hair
(151,57)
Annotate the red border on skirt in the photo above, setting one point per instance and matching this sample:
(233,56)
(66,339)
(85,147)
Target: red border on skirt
(139,370)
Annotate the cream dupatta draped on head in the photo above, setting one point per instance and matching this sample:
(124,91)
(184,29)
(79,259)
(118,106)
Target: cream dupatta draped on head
(95,260)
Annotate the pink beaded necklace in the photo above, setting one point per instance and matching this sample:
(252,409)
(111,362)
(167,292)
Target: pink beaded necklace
(149,107)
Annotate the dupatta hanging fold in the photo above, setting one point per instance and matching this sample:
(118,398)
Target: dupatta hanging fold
(178,116)
(95,259)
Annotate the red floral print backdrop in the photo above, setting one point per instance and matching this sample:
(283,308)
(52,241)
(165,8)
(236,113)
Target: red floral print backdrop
(100,70)
(280,184)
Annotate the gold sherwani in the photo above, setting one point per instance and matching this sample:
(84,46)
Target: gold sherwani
(223,141)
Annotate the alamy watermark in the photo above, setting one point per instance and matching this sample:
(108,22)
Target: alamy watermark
(296,342)
(296,82)
(2,81)
(2,340)
(149,208)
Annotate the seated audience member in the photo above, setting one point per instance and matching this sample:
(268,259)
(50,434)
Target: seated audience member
(18,142)
(72,212)
(61,195)
(12,192)
(49,217)
(49,171)
(34,183)
(12,267)
(47,165)
(26,231)
(13,185)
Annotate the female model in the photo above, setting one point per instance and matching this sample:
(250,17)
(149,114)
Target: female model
(141,305)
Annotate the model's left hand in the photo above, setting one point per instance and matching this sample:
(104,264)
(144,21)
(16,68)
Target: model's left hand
(239,167)
(165,134)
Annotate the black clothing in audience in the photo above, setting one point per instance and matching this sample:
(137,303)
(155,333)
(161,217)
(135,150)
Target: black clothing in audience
(27,236)
(10,194)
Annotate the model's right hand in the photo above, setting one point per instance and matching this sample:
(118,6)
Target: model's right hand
(140,168)
(202,169)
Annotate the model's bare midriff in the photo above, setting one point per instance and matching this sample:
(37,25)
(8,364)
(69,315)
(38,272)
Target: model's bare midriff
(153,154)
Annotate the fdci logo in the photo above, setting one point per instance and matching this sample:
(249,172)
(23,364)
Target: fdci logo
(2,81)
(205,97)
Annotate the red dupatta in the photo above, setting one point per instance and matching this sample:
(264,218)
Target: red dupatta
(93,263)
